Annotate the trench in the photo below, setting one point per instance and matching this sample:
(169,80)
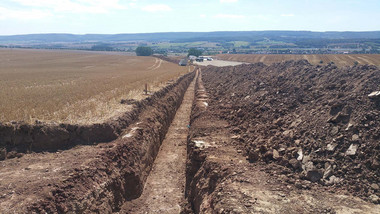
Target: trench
(111,176)
(19,138)
(164,188)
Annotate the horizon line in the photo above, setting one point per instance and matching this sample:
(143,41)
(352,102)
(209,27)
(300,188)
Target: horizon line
(83,34)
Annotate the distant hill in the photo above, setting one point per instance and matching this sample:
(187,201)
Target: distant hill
(250,36)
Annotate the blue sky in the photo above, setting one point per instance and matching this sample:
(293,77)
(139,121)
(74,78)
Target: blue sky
(142,16)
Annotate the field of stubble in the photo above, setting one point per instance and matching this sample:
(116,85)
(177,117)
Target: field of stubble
(73,86)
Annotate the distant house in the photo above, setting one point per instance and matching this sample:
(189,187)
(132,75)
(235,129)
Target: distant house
(183,62)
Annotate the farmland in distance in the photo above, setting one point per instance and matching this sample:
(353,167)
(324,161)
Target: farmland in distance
(315,59)
(74,86)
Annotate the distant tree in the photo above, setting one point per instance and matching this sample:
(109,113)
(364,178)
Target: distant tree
(321,62)
(194,52)
(144,51)
(102,47)
(356,63)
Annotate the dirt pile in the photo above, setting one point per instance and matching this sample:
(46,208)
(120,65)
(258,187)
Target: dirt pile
(319,122)
(219,179)
(174,60)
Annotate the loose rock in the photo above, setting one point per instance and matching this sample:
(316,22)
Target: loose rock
(333,180)
(355,137)
(276,155)
(375,186)
(331,147)
(374,94)
(349,126)
(295,164)
(314,175)
(300,155)
(375,164)
(334,130)
(352,150)
(374,199)
(253,156)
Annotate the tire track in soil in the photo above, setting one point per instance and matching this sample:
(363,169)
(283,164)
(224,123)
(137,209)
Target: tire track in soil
(165,185)
(158,66)
(154,65)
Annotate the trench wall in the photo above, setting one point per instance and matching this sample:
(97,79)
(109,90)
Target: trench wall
(196,165)
(19,137)
(121,171)
(204,169)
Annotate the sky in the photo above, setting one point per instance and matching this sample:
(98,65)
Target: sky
(145,16)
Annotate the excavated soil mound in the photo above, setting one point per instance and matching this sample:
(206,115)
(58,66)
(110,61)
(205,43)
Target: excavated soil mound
(318,122)
(169,59)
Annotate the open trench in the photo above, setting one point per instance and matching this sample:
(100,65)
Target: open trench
(173,155)
(199,170)
(165,185)
(125,175)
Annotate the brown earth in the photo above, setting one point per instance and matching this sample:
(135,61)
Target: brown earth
(165,185)
(91,179)
(174,60)
(311,134)
(339,59)
(19,137)
(286,138)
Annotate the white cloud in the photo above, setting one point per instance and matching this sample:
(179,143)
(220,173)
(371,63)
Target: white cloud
(74,6)
(6,13)
(229,16)
(287,15)
(228,1)
(203,16)
(157,8)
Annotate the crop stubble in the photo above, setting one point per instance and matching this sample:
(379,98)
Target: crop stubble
(73,86)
